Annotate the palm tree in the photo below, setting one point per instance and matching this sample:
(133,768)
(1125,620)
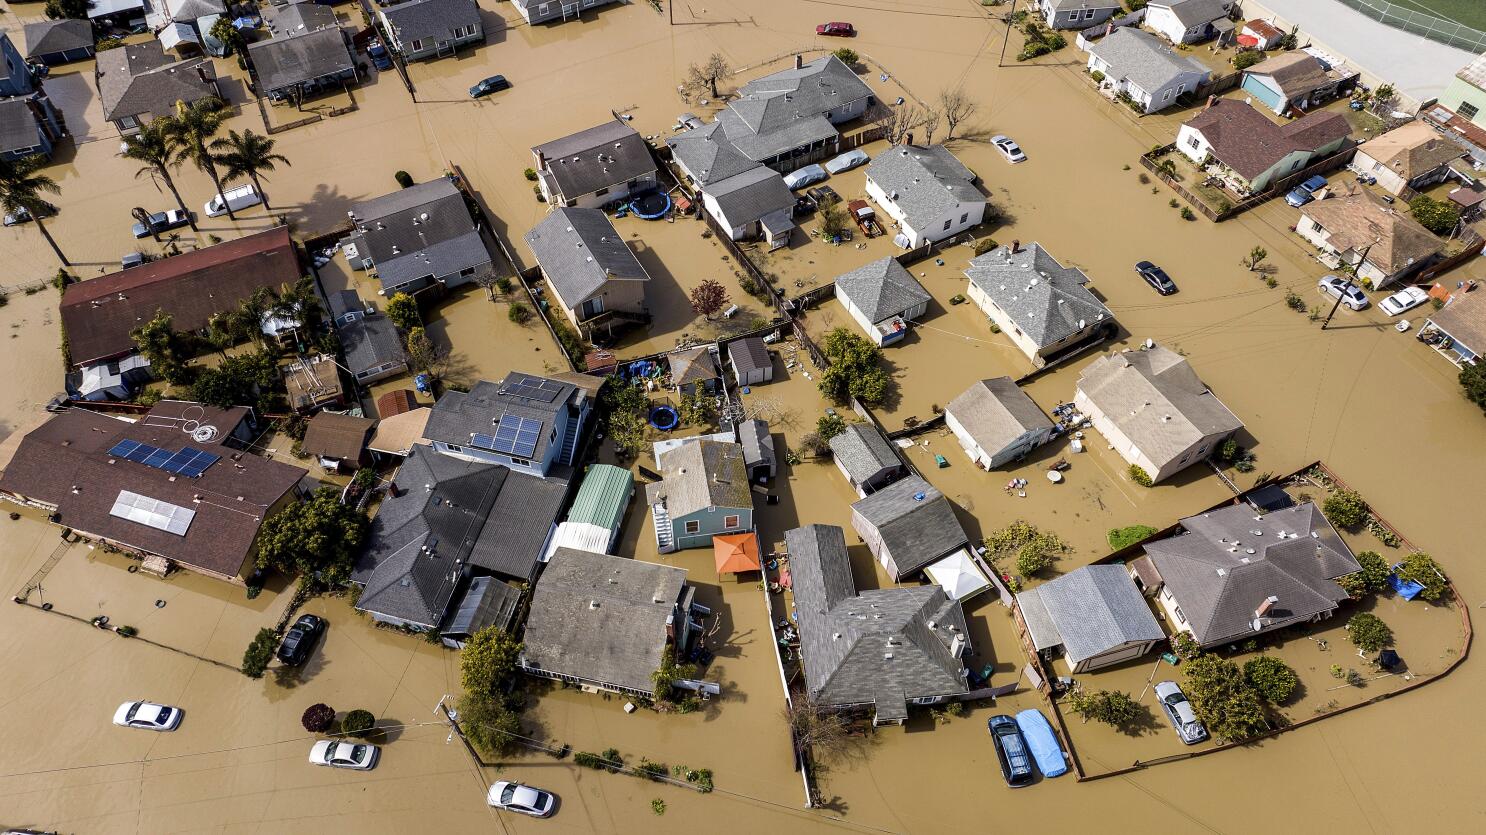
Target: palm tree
(152,148)
(21,188)
(191,130)
(250,155)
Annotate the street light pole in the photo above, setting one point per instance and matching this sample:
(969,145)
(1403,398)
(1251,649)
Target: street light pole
(1361,259)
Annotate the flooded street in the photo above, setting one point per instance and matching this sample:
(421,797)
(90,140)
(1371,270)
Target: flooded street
(1382,410)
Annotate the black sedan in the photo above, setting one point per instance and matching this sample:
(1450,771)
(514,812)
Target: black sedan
(301,639)
(493,84)
(1156,277)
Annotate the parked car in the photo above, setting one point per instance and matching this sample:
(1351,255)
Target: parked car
(807,176)
(300,639)
(133,259)
(1404,300)
(148,715)
(847,161)
(493,84)
(361,756)
(162,222)
(514,797)
(1008,148)
(1339,288)
(1011,750)
(836,29)
(238,198)
(1306,191)
(379,56)
(1180,711)
(1156,277)
(824,195)
(21,215)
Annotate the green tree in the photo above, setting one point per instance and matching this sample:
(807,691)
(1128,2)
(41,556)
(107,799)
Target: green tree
(1421,568)
(1112,707)
(829,426)
(1223,699)
(698,409)
(488,660)
(1034,550)
(833,220)
(300,303)
(166,349)
(1368,632)
(847,56)
(152,149)
(1138,475)
(230,36)
(855,369)
(1247,58)
(1473,384)
(191,130)
(1345,509)
(1271,678)
(402,309)
(1373,577)
(489,725)
(1255,257)
(358,723)
(247,155)
(259,653)
(21,190)
(1127,536)
(68,9)
(316,536)
(236,381)
(1438,216)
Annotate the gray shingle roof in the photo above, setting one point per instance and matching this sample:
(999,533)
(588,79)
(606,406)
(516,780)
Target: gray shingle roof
(692,365)
(367,341)
(749,196)
(404,246)
(1065,5)
(863,452)
(1143,59)
(1190,13)
(1297,556)
(749,354)
(141,80)
(708,155)
(49,36)
(916,523)
(784,110)
(1156,401)
(601,618)
(1042,297)
(996,412)
(882,289)
(924,182)
(419,19)
(873,647)
(702,474)
(604,156)
(1092,610)
(18,127)
(302,17)
(458,415)
(757,442)
(580,252)
(301,57)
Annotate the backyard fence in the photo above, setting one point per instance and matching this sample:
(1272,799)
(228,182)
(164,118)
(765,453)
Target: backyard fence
(1423,24)
(1329,165)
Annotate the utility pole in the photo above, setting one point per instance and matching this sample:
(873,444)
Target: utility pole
(1362,259)
(1001,61)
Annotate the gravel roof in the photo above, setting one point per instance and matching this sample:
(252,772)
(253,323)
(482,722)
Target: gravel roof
(1047,300)
(1412,150)
(924,182)
(335,435)
(1357,221)
(882,289)
(367,340)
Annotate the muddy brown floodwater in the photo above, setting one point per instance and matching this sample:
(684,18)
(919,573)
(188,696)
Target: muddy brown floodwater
(1381,409)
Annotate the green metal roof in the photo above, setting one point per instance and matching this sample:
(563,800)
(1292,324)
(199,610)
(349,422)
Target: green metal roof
(603,497)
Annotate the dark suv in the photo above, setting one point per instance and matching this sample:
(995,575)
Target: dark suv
(1011,750)
(301,639)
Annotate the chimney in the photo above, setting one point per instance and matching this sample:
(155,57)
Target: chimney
(1264,608)
(799,62)
(1016,245)
(541,161)
(1210,100)
(909,139)
(201,73)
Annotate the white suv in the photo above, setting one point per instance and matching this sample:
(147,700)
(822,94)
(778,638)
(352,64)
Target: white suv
(1339,288)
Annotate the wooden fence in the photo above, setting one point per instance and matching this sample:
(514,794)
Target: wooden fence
(1331,164)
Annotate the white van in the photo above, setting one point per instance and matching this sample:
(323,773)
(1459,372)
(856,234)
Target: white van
(238,198)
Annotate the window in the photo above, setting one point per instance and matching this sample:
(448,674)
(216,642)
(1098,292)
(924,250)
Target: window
(730,522)
(542,9)
(417,45)
(1180,618)
(693,526)
(601,192)
(1297,163)
(453,448)
(129,122)
(947,223)
(467,272)
(520,462)
(1468,110)
(1193,141)
(1166,96)
(964,217)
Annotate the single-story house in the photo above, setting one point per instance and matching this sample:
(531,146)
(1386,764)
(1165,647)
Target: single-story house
(694,370)
(907,525)
(1095,617)
(592,168)
(1149,72)
(752,362)
(751,205)
(295,64)
(1462,321)
(416,237)
(882,649)
(1260,34)
(996,422)
(1230,576)
(1045,308)
(29,126)
(704,490)
(313,382)
(528,423)
(139,82)
(607,623)
(1153,409)
(758,450)
(422,29)
(884,299)
(597,513)
(1411,157)
(1296,82)
(338,441)
(1383,244)
(57,42)
(866,458)
(542,11)
(592,274)
(929,193)
(397,433)
(1077,14)
(1251,149)
(1189,21)
(369,340)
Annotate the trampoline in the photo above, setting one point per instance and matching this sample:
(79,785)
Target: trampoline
(652,205)
(664,418)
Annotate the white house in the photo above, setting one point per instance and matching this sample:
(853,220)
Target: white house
(1251,150)
(1136,64)
(751,205)
(883,298)
(996,422)
(1042,306)
(1077,14)
(1189,21)
(1094,617)
(927,191)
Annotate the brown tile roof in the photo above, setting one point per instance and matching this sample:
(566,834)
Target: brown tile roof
(396,402)
(99,313)
(1412,150)
(1357,220)
(65,462)
(1250,143)
(332,435)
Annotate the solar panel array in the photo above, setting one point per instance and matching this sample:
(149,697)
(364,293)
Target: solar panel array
(514,435)
(536,388)
(189,462)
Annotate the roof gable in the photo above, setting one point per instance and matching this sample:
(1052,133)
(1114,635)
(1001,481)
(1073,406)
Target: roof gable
(1047,300)
(580,252)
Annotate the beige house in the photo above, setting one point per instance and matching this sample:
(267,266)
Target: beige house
(1155,412)
(1383,244)
(592,274)
(1409,157)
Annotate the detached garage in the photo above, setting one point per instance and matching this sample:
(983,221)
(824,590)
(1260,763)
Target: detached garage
(1095,617)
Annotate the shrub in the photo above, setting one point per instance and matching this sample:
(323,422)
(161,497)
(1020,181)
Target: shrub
(1271,678)
(1097,76)
(530,174)
(518,313)
(1111,707)
(1438,216)
(830,426)
(985,245)
(317,718)
(1035,550)
(1127,536)
(1244,60)
(488,660)
(1368,632)
(126,631)
(1139,475)
(848,57)
(1345,508)
(402,309)
(814,445)
(1421,568)
(358,723)
(1172,203)
(1188,214)
(503,283)
(259,653)
(1473,382)
(1372,578)
(1185,646)
(650,770)
(1223,699)
(658,806)
(403,178)
(1229,450)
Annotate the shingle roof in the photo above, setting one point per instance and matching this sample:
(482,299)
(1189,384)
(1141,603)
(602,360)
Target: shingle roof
(1065,5)
(301,17)
(300,57)
(882,289)
(1092,610)
(863,452)
(141,80)
(1156,401)
(368,341)
(749,196)
(785,110)
(750,354)
(604,156)
(1297,556)
(1250,143)
(1357,221)
(692,365)
(458,415)
(1190,13)
(580,252)
(708,155)
(405,246)
(1412,150)
(1295,73)
(332,435)
(702,474)
(924,182)
(601,618)
(916,522)
(996,412)
(419,19)
(758,443)
(1464,318)
(18,126)
(398,432)
(49,36)
(1047,300)
(1143,59)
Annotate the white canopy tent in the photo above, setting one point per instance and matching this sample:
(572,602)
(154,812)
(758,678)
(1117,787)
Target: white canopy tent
(959,576)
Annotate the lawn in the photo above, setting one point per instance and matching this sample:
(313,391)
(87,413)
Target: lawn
(1470,13)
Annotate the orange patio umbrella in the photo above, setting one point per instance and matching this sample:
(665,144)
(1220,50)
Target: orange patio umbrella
(736,553)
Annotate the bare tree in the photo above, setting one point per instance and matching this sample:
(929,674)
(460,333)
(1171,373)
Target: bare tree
(896,121)
(701,79)
(931,124)
(488,281)
(958,107)
(822,731)
(423,354)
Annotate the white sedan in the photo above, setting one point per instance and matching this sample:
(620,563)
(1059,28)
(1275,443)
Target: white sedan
(1404,300)
(1008,148)
(514,797)
(362,756)
(148,715)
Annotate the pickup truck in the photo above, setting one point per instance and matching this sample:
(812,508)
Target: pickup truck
(865,218)
(162,222)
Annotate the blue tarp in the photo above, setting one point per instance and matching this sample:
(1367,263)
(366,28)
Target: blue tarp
(1407,589)
(1043,742)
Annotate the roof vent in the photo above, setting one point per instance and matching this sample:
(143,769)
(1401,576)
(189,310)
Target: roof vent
(593,604)
(1257,532)
(1222,572)
(887,656)
(1315,534)
(1248,550)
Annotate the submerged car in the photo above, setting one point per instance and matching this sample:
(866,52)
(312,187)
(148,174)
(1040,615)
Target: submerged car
(1011,750)
(514,797)
(380,59)
(133,259)
(836,29)
(1339,288)
(1404,300)
(1156,277)
(1180,711)
(1306,191)
(22,215)
(807,176)
(148,715)
(361,756)
(824,195)
(847,161)
(162,222)
(493,84)
(1008,148)
(301,639)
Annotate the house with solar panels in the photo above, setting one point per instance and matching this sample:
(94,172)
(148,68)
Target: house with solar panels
(528,423)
